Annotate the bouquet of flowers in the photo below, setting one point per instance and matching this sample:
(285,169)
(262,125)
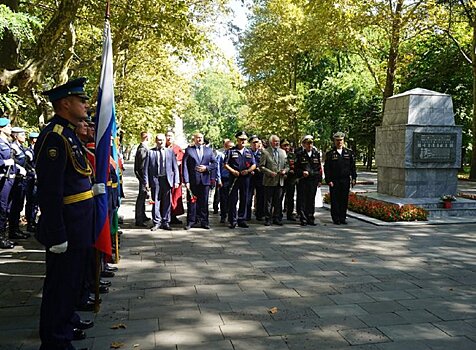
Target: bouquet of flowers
(448,198)
(193,198)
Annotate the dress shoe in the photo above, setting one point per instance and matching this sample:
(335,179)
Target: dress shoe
(175,221)
(343,222)
(187,227)
(78,334)
(243,224)
(222,220)
(206,227)
(88,306)
(85,324)
(267,223)
(147,219)
(4,244)
(278,222)
(291,218)
(91,299)
(17,235)
(336,222)
(111,268)
(166,227)
(155,228)
(232,226)
(303,223)
(312,223)
(107,274)
(140,224)
(105,283)
(103,290)
(259,218)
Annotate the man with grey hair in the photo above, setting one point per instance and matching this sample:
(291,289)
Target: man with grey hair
(274,166)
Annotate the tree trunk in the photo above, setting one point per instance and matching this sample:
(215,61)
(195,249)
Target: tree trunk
(393,52)
(472,173)
(8,44)
(44,52)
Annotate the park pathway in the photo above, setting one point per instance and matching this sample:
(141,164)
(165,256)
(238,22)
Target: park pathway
(352,287)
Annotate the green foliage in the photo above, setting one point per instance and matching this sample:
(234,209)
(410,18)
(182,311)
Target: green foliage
(21,25)
(10,102)
(217,107)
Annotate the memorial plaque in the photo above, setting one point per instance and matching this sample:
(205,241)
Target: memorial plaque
(439,148)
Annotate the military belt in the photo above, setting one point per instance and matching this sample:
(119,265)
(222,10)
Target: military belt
(78,197)
(11,176)
(114,185)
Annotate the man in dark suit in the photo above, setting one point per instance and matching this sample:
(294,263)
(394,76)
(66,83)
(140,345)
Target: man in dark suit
(139,163)
(199,169)
(161,174)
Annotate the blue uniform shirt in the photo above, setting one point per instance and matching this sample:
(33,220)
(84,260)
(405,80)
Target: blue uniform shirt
(239,161)
(64,187)
(6,153)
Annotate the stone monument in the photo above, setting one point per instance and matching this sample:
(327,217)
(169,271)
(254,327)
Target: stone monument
(418,146)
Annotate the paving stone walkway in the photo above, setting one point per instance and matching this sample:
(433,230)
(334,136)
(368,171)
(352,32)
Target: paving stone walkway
(358,286)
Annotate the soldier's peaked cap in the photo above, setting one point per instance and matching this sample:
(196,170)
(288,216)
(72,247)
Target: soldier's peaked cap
(308,138)
(71,88)
(17,130)
(339,135)
(4,122)
(241,135)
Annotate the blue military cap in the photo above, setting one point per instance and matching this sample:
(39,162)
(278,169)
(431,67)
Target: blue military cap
(4,122)
(71,88)
(17,130)
(253,137)
(33,135)
(241,135)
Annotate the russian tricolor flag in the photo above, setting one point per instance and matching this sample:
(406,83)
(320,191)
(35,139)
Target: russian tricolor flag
(105,123)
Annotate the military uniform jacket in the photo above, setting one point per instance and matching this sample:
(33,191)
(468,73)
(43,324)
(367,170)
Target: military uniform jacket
(64,187)
(6,153)
(238,161)
(340,166)
(311,164)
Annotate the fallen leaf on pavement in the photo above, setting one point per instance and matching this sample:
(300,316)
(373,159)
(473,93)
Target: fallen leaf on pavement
(119,326)
(116,345)
(273,310)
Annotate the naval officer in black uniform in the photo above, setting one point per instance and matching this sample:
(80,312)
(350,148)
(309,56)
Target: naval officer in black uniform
(66,225)
(340,172)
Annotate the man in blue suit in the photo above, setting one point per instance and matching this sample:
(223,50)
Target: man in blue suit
(199,169)
(160,175)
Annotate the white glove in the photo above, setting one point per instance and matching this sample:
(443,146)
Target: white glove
(8,162)
(59,248)
(99,188)
(29,154)
(21,170)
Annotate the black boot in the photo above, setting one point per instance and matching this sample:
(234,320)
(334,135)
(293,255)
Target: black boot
(4,242)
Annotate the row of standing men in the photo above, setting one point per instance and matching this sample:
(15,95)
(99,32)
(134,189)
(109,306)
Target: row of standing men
(242,176)
(17,183)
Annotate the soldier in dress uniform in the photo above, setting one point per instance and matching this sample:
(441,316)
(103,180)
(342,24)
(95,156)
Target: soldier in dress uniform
(240,163)
(309,171)
(7,176)
(289,182)
(256,182)
(31,206)
(340,172)
(17,194)
(66,225)
(223,179)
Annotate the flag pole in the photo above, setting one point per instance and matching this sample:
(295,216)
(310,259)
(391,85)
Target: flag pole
(108,10)
(98,278)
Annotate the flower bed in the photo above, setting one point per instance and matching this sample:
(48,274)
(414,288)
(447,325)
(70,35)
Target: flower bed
(467,195)
(383,211)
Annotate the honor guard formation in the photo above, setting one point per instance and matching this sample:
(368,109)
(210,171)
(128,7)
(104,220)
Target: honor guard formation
(51,176)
